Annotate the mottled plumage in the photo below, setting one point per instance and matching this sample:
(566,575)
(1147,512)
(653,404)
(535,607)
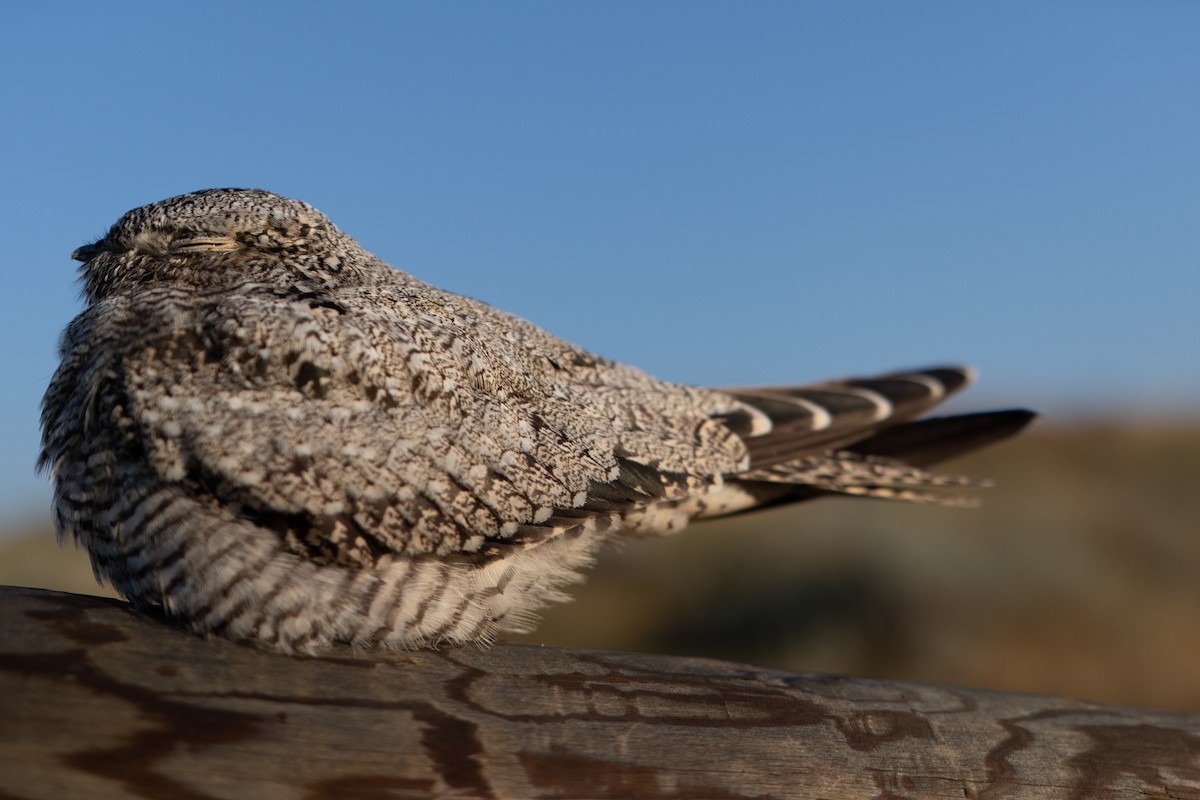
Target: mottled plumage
(275,436)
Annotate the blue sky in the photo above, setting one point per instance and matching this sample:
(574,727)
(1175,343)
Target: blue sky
(721,193)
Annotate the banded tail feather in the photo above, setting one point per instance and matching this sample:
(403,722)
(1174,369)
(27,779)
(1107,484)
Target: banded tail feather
(855,436)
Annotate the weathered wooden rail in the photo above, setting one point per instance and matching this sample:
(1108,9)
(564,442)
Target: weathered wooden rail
(101,702)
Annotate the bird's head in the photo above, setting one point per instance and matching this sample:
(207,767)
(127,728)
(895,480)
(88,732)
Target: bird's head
(217,238)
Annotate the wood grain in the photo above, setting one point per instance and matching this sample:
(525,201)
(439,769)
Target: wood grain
(103,702)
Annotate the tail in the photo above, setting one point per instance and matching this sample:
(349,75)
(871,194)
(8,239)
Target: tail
(856,436)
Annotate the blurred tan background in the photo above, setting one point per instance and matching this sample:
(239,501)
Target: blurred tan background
(1078,576)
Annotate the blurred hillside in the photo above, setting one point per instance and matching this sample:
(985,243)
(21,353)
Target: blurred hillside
(1076,577)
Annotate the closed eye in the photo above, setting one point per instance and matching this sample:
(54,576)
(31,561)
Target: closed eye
(199,244)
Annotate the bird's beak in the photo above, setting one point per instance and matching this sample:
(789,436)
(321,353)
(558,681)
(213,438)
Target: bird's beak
(87,252)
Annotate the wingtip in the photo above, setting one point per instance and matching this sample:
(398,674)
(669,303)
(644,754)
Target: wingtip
(934,439)
(1020,417)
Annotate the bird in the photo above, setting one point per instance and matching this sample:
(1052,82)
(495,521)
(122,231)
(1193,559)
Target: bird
(265,433)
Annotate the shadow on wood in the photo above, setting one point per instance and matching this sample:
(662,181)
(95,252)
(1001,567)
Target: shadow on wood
(102,702)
